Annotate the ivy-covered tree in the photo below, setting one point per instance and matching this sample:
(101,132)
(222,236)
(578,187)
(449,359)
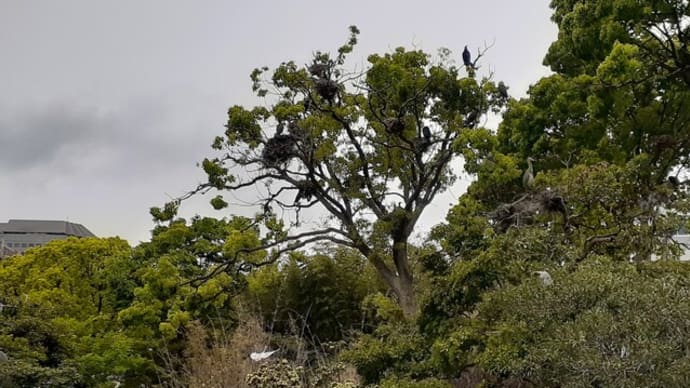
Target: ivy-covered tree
(370,148)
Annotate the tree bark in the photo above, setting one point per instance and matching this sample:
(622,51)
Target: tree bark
(404,291)
(403,284)
(400,281)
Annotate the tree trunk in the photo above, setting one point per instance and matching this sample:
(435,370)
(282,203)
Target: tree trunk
(404,290)
(400,281)
(403,284)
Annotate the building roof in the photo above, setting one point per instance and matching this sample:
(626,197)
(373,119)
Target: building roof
(46,227)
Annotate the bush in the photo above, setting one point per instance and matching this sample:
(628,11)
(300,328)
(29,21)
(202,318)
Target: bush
(604,324)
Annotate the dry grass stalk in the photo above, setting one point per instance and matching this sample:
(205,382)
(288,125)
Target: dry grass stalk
(223,361)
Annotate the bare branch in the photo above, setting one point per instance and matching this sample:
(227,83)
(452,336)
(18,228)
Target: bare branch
(299,241)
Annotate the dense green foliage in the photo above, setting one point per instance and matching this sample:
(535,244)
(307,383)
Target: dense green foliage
(568,277)
(603,324)
(86,311)
(287,297)
(60,327)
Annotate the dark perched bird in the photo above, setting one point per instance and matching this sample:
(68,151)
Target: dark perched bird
(294,129)
(301,193)
(305,190)
(426,132)
(502,89)
(467,57)
(673,181)
(279,128)
(555,204)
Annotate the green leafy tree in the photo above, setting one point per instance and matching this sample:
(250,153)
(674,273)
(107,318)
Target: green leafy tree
(617,111)
(60,318)
(371,149)
(588,31)
(609,137)
(189,272)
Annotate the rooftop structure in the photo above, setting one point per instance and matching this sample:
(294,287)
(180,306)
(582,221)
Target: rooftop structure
(16,236)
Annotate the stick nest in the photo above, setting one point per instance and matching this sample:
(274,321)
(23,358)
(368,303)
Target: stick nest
(523,210)
(279,149)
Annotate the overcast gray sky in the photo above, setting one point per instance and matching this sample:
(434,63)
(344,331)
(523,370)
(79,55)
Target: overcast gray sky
(105,107)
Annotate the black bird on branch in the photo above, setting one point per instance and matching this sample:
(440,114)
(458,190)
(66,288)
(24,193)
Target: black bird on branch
(422,144)
(305,190)
(502,89)
(427,134)
(467,58)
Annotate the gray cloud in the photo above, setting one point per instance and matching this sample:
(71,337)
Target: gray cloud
(132,138)
(35,136)
(106,107)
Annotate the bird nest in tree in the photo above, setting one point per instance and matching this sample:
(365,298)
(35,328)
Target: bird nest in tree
(523,210)
(279,149)
(296,131)
(394,125)
(319,70)
(326,88)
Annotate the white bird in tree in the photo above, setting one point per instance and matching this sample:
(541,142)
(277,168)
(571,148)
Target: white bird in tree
(258,356)
(528,176)
(545,277)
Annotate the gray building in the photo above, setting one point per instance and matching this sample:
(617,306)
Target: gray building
(16,236)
